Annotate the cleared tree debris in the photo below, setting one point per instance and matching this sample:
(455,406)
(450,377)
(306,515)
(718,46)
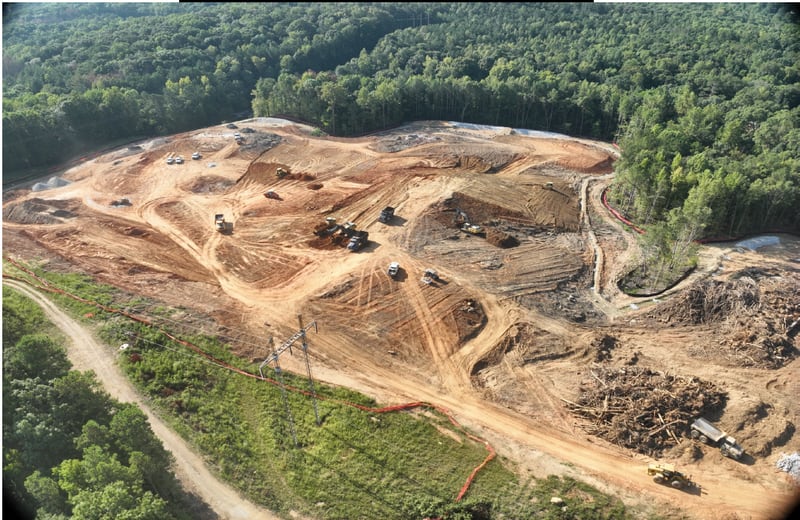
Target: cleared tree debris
(754,312)
(641,409)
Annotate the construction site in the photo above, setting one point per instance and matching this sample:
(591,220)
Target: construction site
(501,301)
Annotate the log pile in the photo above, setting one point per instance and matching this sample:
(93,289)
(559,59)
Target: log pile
(710,301)
(755,313)
(641,409)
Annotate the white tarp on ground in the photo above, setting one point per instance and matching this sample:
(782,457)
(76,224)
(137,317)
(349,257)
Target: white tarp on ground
(790,463)
(274,121)
(472,126)
(539,133)
(505,130)
(54,182)
(755,243)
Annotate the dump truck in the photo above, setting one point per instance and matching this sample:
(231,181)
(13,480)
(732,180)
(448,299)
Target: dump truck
(667,475)
(386,215)
(707,433)
(280,173)
(358,240)
(221,225)
(430,276)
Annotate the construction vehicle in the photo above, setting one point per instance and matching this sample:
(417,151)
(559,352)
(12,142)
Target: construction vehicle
(221,225)
(348,229)
(430,276)
(667,475)
(358,240)
(548,185)
(386,215)
(707,433)
(394,268)
(462,222)
(472,229)
(281,173)
(326,228)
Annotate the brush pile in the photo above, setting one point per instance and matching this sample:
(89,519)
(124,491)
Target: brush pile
(643,410)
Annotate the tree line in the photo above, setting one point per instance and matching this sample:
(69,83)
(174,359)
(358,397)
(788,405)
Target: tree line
(69,449)
(702,98)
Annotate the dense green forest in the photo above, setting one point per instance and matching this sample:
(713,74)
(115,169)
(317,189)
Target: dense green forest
(69,450)
(702,98)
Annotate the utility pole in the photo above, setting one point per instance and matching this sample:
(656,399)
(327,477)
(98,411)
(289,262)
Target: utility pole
(308,367)
(274,357)
(287,345)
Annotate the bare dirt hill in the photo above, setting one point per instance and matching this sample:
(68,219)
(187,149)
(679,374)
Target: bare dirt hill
(522,318)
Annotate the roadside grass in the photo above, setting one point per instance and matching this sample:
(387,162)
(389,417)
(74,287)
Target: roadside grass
(355,464)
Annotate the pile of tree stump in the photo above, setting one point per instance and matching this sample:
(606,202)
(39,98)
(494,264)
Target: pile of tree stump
(643,410)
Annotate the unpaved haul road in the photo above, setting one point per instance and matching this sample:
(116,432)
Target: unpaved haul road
(86,353)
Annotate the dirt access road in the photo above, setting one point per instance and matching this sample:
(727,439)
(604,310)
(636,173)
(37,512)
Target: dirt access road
(511,330)
(85,353)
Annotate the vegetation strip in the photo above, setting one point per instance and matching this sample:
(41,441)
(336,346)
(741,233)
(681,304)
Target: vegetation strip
(45,285)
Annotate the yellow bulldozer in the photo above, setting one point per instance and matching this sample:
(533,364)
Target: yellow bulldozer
(667,474)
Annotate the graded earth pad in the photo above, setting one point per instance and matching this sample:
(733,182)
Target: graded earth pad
(504,310)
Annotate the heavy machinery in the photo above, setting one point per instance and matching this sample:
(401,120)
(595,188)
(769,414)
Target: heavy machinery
(430,276)
(281,173)
(358,240)
(667,475)
(472,229)
(326,228)
(461,220)
(386,215)
(707,433)
(221,225)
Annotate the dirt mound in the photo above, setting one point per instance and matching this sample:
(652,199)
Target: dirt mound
(470,319)
(761,427)
(523,344)
(40,211)
(501,238)
(210,184)
(644,410)
(265,173)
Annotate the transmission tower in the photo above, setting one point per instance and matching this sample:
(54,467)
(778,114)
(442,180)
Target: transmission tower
(308,367)
(287,345)
(274,357)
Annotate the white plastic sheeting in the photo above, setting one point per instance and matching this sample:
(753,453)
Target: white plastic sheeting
(757,242)
(54,182)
